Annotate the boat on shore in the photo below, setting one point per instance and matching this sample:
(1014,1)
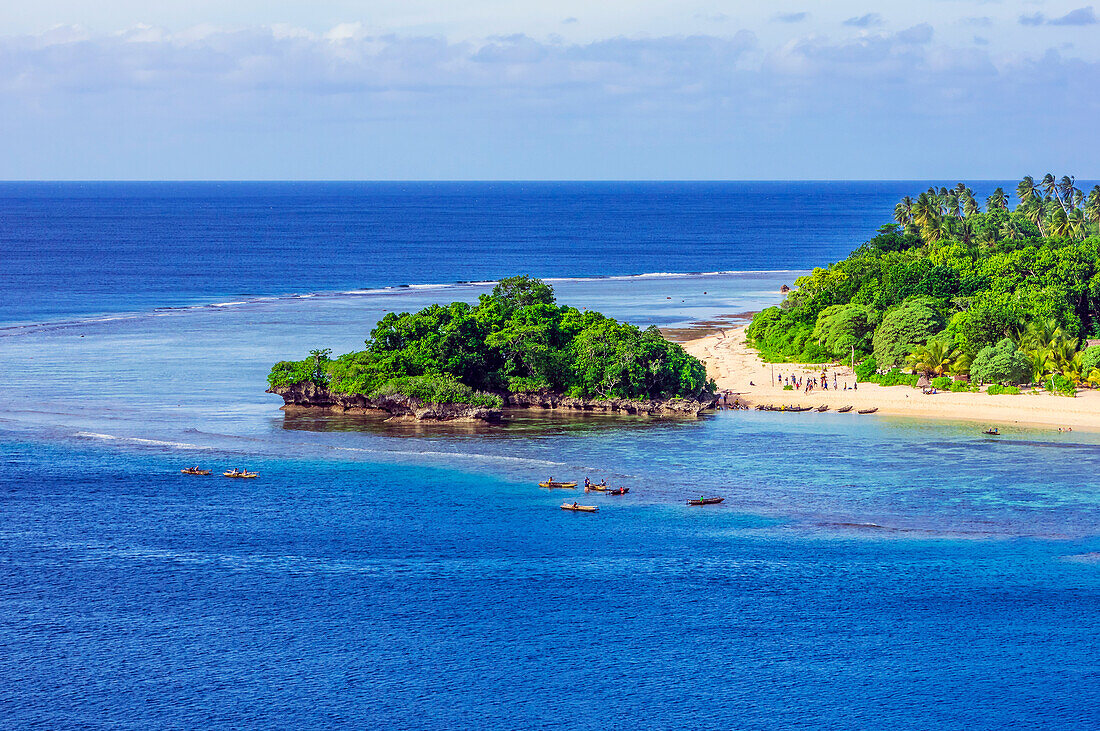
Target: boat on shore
(580,508)
(194,471)
(551,485)
(241,475)
(706,501)
(822,408)
(844,409)
(994,432)
(867,411)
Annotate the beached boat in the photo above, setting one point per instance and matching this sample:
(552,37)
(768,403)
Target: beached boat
(844,409)
(823,407)
(580,508)
(619,491)
(194,471)
(706,501)
(867,411)
(799,409)
(992,432)
(553,485)
(241,475)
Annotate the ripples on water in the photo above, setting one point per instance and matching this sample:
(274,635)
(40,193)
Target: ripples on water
(864,572)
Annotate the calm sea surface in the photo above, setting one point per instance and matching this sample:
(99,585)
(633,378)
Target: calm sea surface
(863,572)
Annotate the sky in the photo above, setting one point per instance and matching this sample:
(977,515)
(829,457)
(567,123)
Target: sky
(488,89)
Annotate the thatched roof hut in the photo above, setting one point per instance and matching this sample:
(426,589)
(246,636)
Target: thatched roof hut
(924,381)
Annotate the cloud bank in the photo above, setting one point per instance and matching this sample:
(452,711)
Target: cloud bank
(283,102)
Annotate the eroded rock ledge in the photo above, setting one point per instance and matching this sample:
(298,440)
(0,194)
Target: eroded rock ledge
(304,396)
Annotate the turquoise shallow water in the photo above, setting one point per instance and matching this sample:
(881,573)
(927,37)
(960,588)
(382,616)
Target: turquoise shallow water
(863,572)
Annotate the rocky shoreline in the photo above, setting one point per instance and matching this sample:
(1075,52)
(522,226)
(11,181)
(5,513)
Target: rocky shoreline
(310,396)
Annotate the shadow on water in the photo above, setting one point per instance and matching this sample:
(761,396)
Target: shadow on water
(516,423)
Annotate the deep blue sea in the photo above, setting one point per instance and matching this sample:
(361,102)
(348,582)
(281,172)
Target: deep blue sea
(863,573)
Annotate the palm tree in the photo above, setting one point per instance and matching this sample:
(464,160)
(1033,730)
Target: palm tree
(1011,230)
(1049,184)
(1067,191)
(1072,368)
(961,366)
(1040,335)
(966,231)
(1027,190)
(934,359)
(903,211)
(970,205)
(1062,352)
(1040,361)
(1092,206)
(1033,211)
(953,203)
(999,200)
(1076,224)
(1058,222)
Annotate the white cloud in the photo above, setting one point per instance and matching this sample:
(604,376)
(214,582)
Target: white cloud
(211,97)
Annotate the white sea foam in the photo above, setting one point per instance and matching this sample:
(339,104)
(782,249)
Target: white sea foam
(138,440)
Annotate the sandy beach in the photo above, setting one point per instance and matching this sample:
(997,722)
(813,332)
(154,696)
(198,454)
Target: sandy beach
(737,367)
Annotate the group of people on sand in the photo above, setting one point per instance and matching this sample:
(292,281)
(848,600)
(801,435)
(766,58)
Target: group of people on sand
(807,384)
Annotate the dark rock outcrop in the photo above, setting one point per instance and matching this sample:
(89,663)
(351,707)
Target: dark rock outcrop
(648,407)
(311,396)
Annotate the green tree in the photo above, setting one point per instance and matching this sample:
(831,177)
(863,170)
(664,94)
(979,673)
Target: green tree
(840,328)
(1001,363)
(902,330)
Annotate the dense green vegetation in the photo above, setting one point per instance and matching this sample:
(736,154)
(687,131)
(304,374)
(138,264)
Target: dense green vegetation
(515,340)
(1005,295)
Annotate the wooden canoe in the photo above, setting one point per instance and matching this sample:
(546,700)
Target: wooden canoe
(552,485)
(242,475)
(580,508)
(823,407)
(867,411)
(191,471)
(596,488)
(844,409)
(619,491)
(706,501)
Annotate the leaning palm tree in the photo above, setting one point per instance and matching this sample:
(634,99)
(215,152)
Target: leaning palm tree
(953,204)
(1058,222)
(934,359)
(1066,191)
(1049,184)
(970,205)
(1027,190)
(1034,211)
(1076,224)
(903,211)
(1092,206)
(998,201)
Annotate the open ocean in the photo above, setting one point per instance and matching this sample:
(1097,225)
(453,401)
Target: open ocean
(863,572)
